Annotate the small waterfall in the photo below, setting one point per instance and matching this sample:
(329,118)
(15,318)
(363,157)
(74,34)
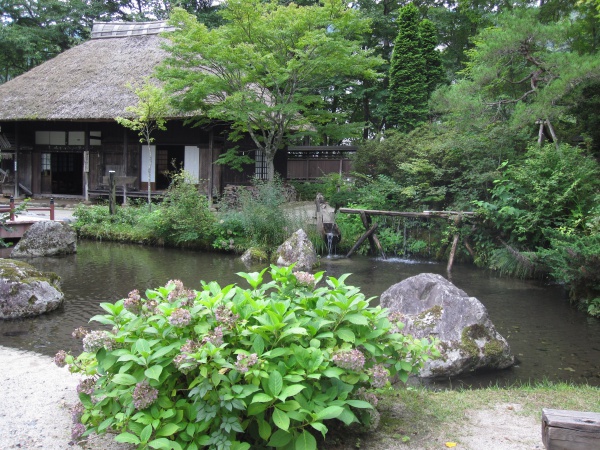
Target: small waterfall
(329,239)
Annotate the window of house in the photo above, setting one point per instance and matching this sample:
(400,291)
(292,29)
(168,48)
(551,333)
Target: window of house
(260,165)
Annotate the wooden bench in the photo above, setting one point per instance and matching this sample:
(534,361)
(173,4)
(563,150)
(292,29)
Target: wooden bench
(570,430)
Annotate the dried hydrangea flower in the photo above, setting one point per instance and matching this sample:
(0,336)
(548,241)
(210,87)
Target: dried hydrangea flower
(77,411)
(95,340)
(244,362)
(395,317)
(181,293)
(86,386)
(184,363)
(225,316)
(59,358)
(379,376)
(215,337)
(77,431)
(133,302)
(349,359)
(144,395)
(80,332)
(180,317)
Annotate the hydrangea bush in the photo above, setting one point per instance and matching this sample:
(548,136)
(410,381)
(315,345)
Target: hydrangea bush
(234,368)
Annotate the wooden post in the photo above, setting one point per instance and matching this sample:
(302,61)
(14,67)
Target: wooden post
(369,232)
(112,197)
(51,208)
(366,220)
(12,208)
(570,430)
(454,245)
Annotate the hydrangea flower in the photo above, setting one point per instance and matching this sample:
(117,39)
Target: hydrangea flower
(144,395)
(349,359)
(379,376)
(244,362)
(184,357)
(225,316)
(133,302)
(86,386)
(95,340)
(305,279)
(77,431)
(180,292)
(59,358)
(180,317)
(77,411)
(80,332)
(215,337)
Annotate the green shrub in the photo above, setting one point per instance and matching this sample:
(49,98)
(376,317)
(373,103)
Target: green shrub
(184,215)
(264,220)
(128,224)
(233,368)
(575,261)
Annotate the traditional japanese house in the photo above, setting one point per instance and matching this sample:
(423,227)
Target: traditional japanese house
(59,137)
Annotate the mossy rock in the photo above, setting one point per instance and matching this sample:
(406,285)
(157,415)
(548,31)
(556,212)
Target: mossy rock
(26,291)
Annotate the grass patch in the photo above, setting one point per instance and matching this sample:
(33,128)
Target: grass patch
(421,418)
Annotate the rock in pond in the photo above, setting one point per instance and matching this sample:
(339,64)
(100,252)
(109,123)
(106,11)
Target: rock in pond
(254,255)
(25,291)
(46,238)
(432,306)
(297,249)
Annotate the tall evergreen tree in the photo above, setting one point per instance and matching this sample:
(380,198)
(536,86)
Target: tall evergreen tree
(434,70)
(407,102)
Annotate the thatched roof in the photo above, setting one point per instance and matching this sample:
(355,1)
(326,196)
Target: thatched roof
(87,82)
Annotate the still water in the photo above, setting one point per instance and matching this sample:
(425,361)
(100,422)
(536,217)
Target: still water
(551,339)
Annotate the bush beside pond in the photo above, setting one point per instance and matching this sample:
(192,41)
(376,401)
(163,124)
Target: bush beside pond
(225,367)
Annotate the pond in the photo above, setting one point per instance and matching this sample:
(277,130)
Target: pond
(551,339)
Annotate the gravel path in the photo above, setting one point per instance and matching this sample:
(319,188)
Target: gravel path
(35,396)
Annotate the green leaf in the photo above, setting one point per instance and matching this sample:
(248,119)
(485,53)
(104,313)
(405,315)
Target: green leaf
(305,441)
(143,347)
(290,391)
(275,383)
(319,427)
(357,319)
(281,419)
(103,320)
(280,439)
(167,430)
(153,372)
(346,335)
(261,397)
(331,412)
(359,404)
(124,378)
(127,438)
(264,429)
(160,443)
(146,433)
(256,408)
(258,345)
(333,372)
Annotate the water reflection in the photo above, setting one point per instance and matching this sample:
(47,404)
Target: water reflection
(551,339)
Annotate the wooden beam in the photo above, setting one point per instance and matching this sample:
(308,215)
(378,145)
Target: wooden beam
(374,212)
(361,239)
(570,430)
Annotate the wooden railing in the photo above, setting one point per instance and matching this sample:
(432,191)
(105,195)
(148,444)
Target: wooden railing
(13,208)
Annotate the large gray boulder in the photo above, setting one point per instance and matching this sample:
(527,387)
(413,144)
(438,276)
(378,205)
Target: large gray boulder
(46,238)
(297,249)
(431,306)
(25,291)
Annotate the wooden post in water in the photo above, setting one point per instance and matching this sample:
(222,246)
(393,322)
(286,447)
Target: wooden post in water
(457,220)
(112,196)
(51,208)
